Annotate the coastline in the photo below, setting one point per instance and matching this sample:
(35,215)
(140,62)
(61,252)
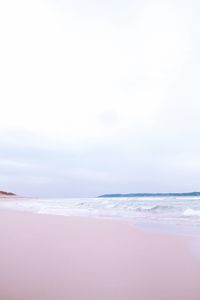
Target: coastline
(48,257)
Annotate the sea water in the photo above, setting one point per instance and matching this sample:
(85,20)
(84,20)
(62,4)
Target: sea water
(181,214)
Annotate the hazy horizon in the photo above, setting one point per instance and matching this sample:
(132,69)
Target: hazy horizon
(99,97)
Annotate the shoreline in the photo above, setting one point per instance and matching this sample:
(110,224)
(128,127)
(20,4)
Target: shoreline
(157,227)
(47,257)
(167,215)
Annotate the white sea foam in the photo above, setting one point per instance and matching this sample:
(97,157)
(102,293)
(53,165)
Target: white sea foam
(189,212)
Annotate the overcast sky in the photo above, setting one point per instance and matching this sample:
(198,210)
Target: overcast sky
(99,96)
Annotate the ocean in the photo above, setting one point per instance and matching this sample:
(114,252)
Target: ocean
(180,214)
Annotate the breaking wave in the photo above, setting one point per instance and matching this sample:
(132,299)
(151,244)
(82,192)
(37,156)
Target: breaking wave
(156,208)
(189,212)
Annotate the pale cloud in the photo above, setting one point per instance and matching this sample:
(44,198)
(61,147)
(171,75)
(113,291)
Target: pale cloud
(59,74)
(98,92)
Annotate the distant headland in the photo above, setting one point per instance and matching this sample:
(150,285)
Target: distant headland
(192,194)
(4,194)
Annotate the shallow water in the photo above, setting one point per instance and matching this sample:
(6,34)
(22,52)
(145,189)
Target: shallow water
(181,214)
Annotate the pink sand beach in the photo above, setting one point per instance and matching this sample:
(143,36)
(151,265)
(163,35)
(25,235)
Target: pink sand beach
(67,258)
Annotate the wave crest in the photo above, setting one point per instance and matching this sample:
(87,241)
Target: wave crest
(156,208)
(189,212)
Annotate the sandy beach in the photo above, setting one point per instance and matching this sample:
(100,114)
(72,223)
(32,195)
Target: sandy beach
(67,258)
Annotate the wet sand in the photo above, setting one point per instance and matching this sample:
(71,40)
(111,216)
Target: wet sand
(67,258)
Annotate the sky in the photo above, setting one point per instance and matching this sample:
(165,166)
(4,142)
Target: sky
(99,97)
